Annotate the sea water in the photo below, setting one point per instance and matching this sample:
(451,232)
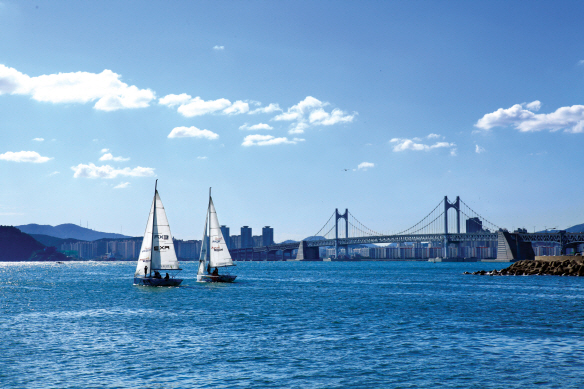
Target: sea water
(290,324)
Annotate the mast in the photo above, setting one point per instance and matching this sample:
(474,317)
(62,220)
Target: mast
(152,240)
(208,259)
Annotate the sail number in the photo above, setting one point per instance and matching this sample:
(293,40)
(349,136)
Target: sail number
(161,248)
(164,237)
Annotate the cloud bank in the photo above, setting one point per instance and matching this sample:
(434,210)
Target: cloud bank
(105,88)
(310,112)
(106,171)
(403,144)
(24,156)
(523,118)
(267,140)
(192,132)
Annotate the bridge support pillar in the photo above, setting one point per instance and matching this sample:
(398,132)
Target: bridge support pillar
(445,247)
(511,248)
(306,253)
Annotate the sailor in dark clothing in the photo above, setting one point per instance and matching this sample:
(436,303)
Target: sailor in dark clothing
(157,275)
(216,272)
(166,277)
(145,270)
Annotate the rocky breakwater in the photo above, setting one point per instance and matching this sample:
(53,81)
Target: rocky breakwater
(562,266)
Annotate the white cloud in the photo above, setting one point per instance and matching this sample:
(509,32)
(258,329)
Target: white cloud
(110,157)
(267,140)
(454,152)
(39,139)
(522,117)
(122,185)
(173,100)
(201,157)
(237,108)
(189,107)
(54,173)
(104,150)
(79,87)
(24,156)
(433,136)
(106,171)
(479,149)
(533,106)
(216,47)
(259,126)
(365,165)
(269,109)
(192,132)
(310,112)
(403,144)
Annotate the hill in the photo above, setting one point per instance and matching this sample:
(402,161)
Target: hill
(65,231)
(15,245)
(52,241)
(576,228)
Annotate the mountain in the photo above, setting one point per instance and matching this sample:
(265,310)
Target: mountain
(576,228)
(65,231)
(51,241)
(15,245)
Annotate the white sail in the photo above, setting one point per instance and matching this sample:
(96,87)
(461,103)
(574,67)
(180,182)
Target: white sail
(144,257)
(163,255)
(157,250)
(204,250)
(219,254)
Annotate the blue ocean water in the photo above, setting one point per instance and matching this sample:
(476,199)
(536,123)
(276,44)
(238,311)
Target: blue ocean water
(290,324)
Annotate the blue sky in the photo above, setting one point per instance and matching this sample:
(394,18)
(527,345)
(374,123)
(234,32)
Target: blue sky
(270,102)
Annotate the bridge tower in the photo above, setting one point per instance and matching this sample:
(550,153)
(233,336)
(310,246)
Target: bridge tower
(447,206)
(337,217)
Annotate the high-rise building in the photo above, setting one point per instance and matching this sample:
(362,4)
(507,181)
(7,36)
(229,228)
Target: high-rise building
(267,236)
(225,232)
(473,224)
(236,241)
(246,237)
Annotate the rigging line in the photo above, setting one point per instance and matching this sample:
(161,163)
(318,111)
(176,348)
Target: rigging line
(325,224)
(415,225)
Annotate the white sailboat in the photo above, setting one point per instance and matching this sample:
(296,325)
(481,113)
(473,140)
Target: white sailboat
(214,251)
(157,253)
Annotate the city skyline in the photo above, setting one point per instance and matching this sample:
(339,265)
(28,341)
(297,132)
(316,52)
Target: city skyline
(290,110)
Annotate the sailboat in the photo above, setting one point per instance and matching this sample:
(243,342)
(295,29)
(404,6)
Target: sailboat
(157,253)
(214,251)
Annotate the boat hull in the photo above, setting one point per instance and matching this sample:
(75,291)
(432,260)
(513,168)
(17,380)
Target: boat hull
(219,278)
(149,281)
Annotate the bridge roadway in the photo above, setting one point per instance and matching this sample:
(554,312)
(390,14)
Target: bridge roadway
(262,253)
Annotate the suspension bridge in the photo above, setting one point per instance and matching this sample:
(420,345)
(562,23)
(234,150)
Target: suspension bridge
(442,227)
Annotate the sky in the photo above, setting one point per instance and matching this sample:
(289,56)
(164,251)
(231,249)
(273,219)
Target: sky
(288,110)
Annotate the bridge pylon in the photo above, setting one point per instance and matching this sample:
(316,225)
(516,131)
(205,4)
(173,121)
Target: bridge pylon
(447,206)
(337,217)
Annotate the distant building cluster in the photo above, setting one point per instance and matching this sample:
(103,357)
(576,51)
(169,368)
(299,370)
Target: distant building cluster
(246,239)
(479,250)
(185,249)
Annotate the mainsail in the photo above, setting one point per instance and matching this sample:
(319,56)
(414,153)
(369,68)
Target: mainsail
(204,250)
(157,251)
(219,254)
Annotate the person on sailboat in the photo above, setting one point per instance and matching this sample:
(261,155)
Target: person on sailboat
(157,275)
(145,270)
(216,272)
(166,277)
